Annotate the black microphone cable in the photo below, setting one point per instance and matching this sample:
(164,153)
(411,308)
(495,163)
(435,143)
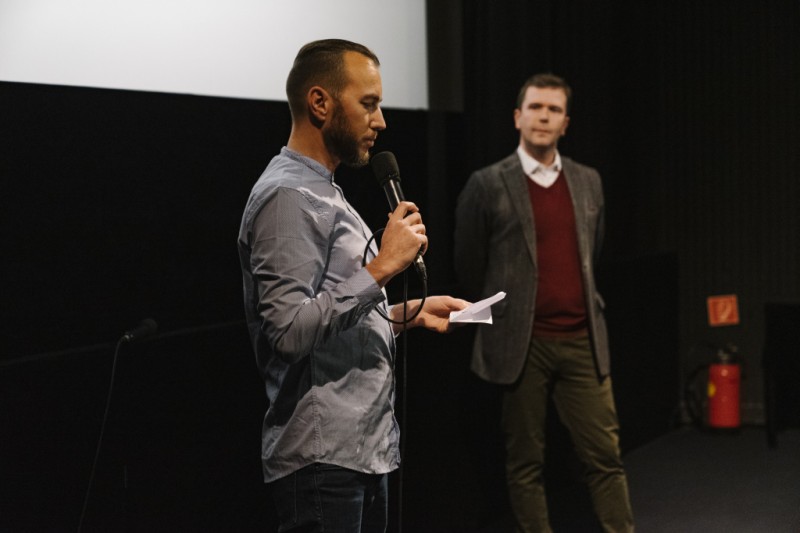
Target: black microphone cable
(384,166)
(404,402)
(403,364)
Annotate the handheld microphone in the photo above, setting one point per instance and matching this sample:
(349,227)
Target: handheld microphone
(384,166)
(146,328)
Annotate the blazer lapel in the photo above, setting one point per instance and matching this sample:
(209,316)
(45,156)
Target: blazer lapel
(514,178)
(578,194)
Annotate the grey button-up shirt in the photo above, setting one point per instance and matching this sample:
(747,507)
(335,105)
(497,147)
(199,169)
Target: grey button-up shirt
(324,352)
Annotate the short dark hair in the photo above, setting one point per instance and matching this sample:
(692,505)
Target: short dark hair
(545,80)
(320,63)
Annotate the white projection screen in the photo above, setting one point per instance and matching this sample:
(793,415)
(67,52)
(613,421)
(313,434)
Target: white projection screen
(230,48)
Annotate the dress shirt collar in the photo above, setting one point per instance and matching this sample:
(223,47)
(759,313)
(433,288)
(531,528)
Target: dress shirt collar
(313,164)
(541,174)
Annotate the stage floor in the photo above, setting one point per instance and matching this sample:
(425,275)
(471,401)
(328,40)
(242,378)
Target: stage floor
(696,481)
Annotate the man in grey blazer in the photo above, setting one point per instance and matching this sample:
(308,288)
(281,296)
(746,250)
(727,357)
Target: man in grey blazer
(532,225)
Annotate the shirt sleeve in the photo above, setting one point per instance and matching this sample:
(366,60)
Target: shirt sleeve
(291,254)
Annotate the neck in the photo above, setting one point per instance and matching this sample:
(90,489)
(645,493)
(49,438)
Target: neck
(545,155)
(310,144)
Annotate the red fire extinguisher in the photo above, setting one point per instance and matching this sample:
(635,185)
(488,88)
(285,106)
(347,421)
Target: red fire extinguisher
(724,380)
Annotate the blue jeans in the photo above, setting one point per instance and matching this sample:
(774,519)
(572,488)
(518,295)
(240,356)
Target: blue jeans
(322,497)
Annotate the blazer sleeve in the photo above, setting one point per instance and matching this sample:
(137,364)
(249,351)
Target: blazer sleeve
(601,218)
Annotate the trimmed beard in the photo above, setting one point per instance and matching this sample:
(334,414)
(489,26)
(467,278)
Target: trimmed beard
(340,141)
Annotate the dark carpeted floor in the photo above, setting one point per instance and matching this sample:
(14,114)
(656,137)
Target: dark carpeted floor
(696,481)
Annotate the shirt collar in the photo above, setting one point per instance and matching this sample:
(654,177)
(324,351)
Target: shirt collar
(531,165)
(313,164)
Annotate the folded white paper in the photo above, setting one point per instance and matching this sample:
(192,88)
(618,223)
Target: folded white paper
(479,312)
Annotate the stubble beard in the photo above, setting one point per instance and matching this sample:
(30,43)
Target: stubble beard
(340,141)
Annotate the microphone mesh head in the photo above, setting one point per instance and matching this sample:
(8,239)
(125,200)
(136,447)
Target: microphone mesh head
(149,325)
(384,166)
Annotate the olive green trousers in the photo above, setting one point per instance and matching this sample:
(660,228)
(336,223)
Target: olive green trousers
(564,368)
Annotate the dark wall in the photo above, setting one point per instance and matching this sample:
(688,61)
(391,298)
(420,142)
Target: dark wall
(122,205)
(181,443)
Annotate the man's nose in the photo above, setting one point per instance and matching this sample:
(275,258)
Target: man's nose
(378,122)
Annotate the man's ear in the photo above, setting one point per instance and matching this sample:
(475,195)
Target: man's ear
(319,103)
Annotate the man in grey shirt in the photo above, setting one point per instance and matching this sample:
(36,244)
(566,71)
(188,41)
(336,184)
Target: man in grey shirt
(330,436)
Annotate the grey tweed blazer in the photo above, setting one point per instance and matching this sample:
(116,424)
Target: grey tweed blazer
(495,250)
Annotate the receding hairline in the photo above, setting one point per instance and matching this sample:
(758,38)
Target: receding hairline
(322,63)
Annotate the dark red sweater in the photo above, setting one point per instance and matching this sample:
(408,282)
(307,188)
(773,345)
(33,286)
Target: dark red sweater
(560,306)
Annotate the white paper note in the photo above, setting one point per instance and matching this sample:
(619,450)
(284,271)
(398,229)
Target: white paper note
(479,312)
